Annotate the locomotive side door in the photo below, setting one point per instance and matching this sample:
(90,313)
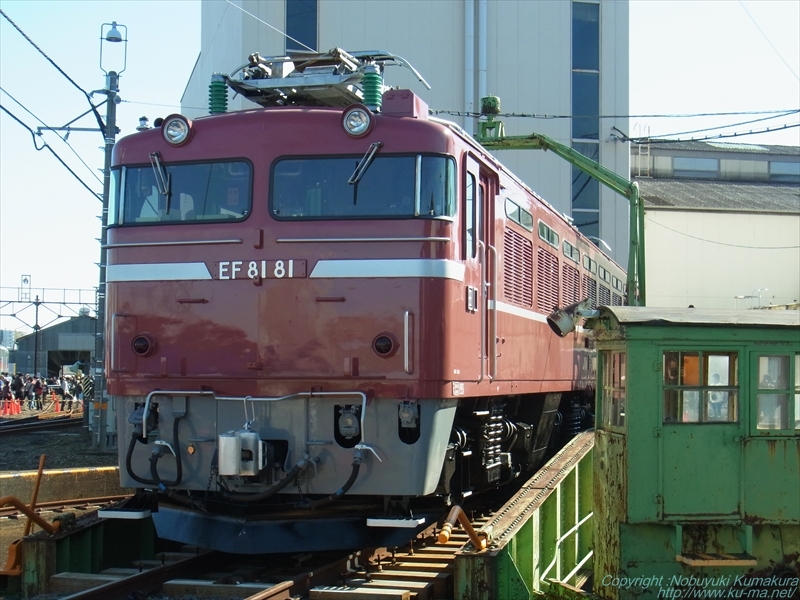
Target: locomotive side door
(480,257)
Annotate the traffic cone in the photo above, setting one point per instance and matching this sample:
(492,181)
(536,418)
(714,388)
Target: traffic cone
(17,409)
(57,404)
(5,408)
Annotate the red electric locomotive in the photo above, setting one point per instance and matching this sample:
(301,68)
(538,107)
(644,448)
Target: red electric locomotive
(333,306)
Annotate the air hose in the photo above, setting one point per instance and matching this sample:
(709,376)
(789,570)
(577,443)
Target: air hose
(158,452)
(357,460)
(250,498)
(140,437)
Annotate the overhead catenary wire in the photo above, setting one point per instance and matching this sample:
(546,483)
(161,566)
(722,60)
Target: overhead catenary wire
(50,60)
(62,137)
(668,137)
(59,69)
(740,123)
(715,137)
(771,45)
(53,152)
(653,139)
(287,36)
(461,113)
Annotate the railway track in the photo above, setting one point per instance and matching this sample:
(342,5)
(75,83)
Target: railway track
(421,570)
(36,423)
(86,504)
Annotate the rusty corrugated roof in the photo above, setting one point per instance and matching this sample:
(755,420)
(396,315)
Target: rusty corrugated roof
(719,195)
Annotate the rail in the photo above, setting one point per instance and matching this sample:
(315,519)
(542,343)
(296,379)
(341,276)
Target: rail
(68,420)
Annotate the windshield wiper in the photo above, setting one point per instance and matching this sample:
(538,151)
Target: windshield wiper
(364,163)
(163,179)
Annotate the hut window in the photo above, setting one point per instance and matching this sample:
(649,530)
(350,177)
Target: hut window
(700,387)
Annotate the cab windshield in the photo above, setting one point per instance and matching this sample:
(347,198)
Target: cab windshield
(402,187)
(183,193)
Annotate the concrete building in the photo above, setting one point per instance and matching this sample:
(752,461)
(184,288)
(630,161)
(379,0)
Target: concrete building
(8,337)
(722,223)
(556,58)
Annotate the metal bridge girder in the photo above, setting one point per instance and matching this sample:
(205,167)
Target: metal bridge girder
(540,538)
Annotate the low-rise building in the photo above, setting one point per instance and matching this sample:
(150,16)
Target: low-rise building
(722,223)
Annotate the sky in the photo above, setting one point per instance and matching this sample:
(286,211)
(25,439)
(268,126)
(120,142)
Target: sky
(687,57)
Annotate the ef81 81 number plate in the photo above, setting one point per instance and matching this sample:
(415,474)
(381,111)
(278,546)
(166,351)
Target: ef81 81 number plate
(261,269)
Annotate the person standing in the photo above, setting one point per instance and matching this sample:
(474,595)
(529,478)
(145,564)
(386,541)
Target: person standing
(17,386)
(28,393)
(77,391)
(65,392)
(38,389)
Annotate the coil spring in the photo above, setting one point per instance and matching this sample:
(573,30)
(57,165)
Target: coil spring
(217,95)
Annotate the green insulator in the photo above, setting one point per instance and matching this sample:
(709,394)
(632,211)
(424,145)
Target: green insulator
(490,105)
(371,87)
(217,95)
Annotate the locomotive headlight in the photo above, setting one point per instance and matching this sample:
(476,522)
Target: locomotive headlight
(348,424)
(357,120)
(176,130)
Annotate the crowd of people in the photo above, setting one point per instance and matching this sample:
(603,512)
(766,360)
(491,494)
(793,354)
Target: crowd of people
(32,391)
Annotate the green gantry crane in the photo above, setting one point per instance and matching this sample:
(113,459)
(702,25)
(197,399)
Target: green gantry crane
(492,136)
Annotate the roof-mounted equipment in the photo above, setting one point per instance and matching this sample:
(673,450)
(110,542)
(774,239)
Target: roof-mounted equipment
(334,78)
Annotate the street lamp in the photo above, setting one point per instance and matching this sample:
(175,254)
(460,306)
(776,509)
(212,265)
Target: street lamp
(113,55)
(756,294)
(758,291)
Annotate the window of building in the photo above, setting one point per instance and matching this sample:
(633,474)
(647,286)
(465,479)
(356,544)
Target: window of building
(585,105)
(776,386)
(587,221)
(586,193)
(301,25)
(614,388)
(586,36)
(788,172)
(697,168)
(700,387)
(586,111)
